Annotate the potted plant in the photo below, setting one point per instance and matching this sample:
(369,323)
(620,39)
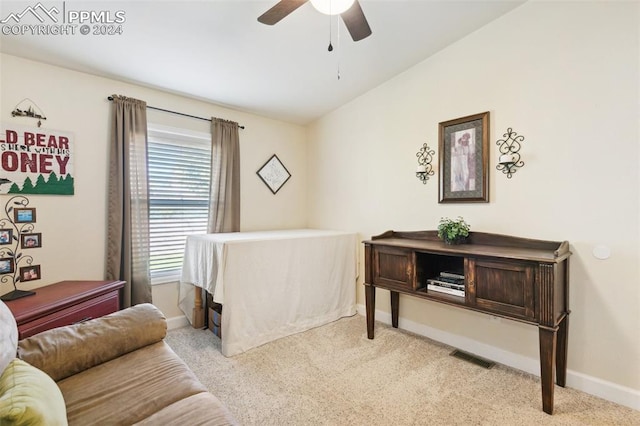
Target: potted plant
(453,231)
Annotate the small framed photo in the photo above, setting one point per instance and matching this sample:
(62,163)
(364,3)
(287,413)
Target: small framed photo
(464,159)
(24,215)
(30,273)
(28,241)
(6,236)
(6,265)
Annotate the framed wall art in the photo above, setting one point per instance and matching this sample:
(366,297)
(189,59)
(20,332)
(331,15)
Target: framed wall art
(51,154)
(6,236)
(28,241)
(274,174)
(6,266)
(30,273)
(464,159)
(24,215)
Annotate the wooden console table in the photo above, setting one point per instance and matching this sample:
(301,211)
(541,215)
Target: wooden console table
(516,278)
(65,303)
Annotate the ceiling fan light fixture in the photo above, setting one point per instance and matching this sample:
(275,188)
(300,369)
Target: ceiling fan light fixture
(332,7)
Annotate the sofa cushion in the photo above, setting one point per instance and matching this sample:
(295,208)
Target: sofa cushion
(129,388)
(58,353)
(199,409)
(29,397)
(8,336)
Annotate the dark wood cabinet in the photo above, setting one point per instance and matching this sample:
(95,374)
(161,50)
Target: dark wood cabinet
(516,278)
(65,303)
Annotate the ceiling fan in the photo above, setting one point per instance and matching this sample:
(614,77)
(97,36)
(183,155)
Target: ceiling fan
(349,10)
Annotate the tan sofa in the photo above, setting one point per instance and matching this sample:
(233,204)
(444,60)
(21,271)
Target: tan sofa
(117,370)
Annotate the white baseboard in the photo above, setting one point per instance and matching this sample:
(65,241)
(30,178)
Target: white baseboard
(177,322)
(601,388)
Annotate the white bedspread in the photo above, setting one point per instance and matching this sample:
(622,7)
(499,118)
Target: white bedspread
(273,283)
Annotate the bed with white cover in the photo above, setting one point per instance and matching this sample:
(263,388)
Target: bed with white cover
(271,283)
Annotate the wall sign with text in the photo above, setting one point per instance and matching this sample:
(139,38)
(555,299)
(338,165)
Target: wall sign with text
(34,160)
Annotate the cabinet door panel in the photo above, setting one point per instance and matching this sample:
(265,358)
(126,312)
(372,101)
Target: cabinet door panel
(393,268)
(503,287)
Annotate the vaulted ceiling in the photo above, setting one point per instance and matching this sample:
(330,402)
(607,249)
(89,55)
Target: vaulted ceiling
(218,51)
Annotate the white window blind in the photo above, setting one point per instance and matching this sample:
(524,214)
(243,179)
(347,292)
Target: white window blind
(179,163)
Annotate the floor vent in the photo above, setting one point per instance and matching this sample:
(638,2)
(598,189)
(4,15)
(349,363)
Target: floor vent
(472,358)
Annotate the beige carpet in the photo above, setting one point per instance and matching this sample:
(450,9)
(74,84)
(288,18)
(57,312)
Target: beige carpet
(334,375)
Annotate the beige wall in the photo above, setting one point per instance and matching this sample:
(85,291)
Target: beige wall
(74,227)
(565,76)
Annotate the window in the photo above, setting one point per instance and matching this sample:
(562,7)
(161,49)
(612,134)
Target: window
(179,163)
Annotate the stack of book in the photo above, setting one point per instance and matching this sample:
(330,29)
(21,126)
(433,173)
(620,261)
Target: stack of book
(447,282)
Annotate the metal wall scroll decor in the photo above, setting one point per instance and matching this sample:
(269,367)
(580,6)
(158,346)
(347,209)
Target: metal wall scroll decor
(425,158)
(25,108)
(509,148)
(16,235)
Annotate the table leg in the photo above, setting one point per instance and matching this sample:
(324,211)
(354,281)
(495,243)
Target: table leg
(370,304)
(548,339)
(561,353)
(197,316)
(395,308)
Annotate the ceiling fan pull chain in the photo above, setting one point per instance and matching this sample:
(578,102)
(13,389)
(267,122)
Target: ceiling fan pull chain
(339,50)
(330,48)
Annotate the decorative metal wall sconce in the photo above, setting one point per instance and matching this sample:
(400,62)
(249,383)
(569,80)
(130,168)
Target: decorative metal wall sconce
(425,169)
(509,160)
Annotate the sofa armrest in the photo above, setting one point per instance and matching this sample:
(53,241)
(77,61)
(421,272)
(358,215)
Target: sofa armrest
(65,351)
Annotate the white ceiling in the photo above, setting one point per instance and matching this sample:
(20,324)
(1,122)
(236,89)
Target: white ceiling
(219,52)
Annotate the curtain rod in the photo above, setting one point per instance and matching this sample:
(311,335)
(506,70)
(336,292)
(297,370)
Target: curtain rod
(178,113)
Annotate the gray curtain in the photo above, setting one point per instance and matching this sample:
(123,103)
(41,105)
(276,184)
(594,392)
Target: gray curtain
(224,208)
(128,204)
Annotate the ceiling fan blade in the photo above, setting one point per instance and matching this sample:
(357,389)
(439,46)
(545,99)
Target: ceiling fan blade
(356,22)
(279,11)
